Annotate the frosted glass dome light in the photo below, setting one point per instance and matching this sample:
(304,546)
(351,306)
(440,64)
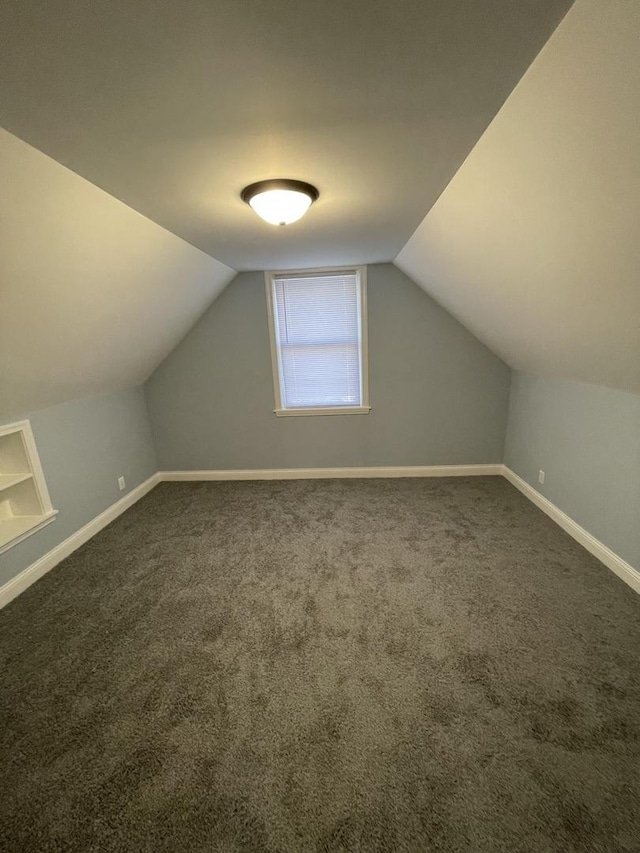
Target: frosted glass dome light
(280,207)
(280,201)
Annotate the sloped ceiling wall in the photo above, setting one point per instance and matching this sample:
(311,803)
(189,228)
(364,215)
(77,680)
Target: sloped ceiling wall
(535,243)
(174,106)
(92,295)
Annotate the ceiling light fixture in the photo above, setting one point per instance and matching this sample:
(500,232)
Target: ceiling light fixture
(280,201)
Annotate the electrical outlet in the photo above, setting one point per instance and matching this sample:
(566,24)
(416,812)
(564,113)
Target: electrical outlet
(541,477)
(121,484)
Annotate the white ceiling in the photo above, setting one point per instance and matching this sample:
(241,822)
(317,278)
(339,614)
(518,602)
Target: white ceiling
(92,295)
(173,107)
(535,244)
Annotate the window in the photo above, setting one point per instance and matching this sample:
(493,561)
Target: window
(318,329)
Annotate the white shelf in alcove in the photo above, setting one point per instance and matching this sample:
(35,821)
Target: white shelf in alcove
(20,526)
(8,480)
(25,505)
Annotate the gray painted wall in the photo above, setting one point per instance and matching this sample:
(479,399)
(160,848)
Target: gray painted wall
(84,446)
(586,438)
(438,396)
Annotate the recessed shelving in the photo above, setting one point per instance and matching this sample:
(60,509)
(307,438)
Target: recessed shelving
(25,505)
(8,480)
(15,528)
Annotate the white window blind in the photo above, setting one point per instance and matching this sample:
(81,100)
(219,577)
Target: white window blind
(318,336)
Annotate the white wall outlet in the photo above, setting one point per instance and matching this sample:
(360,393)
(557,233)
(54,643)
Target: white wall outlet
(121,484)
(541,476)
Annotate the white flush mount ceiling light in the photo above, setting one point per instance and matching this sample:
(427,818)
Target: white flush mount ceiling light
(280,201)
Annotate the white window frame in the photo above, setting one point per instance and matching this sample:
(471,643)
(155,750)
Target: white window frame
(280,410)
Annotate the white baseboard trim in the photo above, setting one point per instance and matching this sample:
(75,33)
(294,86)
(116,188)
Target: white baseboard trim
(611,560)
(36,570)
(333,473)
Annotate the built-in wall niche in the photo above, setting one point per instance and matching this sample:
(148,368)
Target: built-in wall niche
(25,505)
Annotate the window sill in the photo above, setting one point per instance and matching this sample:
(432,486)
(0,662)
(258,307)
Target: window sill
(323,410)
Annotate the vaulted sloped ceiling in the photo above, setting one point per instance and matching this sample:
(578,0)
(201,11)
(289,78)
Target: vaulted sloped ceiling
(171,107)
(92,295)
(535,243)
(174,106)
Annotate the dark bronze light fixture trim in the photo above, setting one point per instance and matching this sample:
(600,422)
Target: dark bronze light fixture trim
(279,184)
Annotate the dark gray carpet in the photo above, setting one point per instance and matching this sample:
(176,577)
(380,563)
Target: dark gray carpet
(374,665)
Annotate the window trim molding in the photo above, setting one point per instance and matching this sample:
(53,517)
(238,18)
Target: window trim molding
(280,411)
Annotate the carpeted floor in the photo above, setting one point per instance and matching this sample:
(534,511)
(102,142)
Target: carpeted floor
(373,665)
